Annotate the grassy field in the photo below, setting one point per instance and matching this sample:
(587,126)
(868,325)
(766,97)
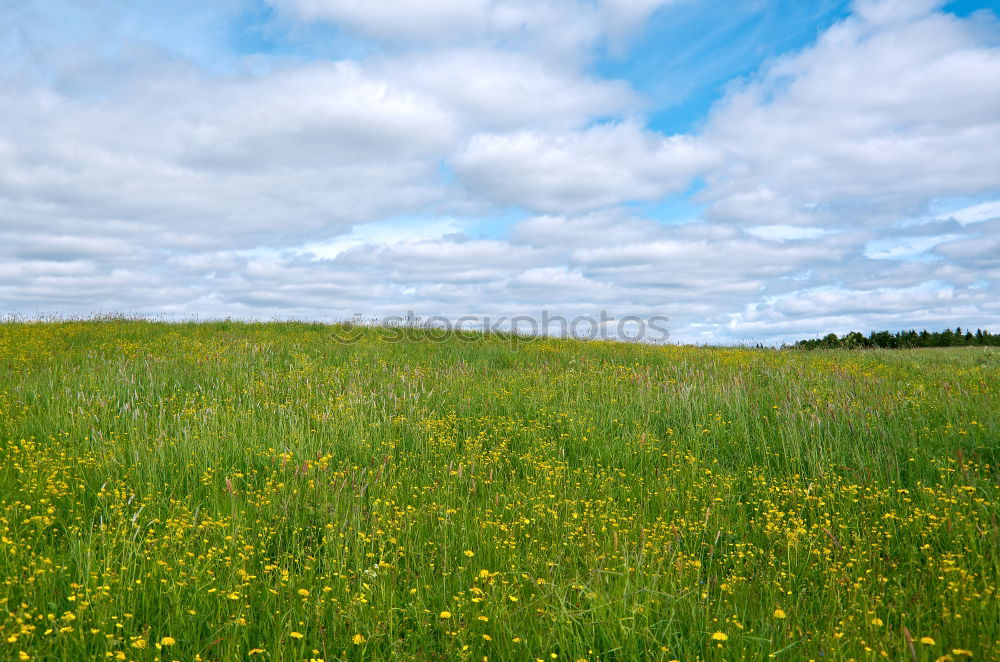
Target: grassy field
(231,491)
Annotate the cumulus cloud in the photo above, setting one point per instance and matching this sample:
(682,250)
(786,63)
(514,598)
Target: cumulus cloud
(598,167)
(394,19)
(492,89)
(883,12)
(310,150)
(550,27)
(554,29)
(980,248)
(871,123)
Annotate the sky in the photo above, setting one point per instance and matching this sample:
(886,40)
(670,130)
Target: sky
(754,170)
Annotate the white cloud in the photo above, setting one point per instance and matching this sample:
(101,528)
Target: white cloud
(894,248)
(492,89)
(978,249)
(311,150)
(555,29)
(584,229)
(570,172)
(395,19)
(786,232)
(866,126)
(883,12)
(985,211)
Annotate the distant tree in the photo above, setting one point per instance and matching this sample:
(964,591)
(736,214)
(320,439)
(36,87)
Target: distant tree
(853,340)
(901,339)
(883,339)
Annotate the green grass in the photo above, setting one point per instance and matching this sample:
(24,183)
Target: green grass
(231,486)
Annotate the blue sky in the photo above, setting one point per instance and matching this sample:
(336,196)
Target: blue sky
(756,170)
(687,55)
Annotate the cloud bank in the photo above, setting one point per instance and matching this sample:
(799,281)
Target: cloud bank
(482,158)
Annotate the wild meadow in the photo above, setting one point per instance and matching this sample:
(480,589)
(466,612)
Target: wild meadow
(229,491)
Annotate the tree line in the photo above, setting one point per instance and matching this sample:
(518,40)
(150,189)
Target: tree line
(904,339)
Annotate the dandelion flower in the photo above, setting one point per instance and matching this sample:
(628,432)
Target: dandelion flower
(168,641)
(445,614)
(961,651)
(487,637)
(927,641)
(469,553)
(358,639)
(877,622)
(780,613)
(304,592)
(720,636)
(297,635)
